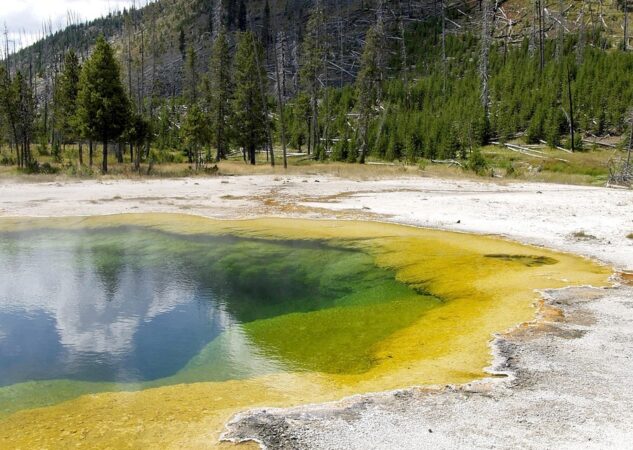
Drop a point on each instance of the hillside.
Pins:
(158, 35)
(438, 81)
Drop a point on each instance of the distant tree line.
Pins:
(419, 91)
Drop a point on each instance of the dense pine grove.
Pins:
(428, 94)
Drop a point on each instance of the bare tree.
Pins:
(279, 67)
(489, 8)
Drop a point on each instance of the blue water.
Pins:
(133, 305)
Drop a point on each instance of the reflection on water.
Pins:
(132, 305)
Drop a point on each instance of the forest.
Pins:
(433, 83)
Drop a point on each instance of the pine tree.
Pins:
(312, 69)
(195, 134)
(8, 105)
(219, 94)
(103, 108)
(66, 99)
(138, 134)
(367, 85)
(248, 109)
(22, 97)
(241, 16)
(191, 77)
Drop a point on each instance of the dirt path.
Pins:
(570, 375)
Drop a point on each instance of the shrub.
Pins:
(477, 162)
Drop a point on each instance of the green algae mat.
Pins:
(153, 330)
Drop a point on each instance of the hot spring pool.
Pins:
(155, 329)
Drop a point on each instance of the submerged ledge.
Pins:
(449, 345)
(532, 361)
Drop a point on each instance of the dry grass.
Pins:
(629, 236)
(583, 168)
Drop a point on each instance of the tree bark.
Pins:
(251, 154)
(571, 111)
(280, 104)
(104, 164)
(137, 158)
(625, 46)
(119, 152)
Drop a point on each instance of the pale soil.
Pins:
(570, 378)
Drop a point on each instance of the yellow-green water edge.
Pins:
(485, 285)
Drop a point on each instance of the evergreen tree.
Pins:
(191, 77)
(66, 98)
(248, 109)
(219, 94)
(195, 134)
(138, 134)
(8, 107)
(367, 85)
(242, 16)
(23, 108)
(312, 69)
(103, 108)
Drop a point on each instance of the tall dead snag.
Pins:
(279, 67)
(487, 27)
(630, 147)
(571, 111)
(538, 29)
(444, 75)
(624, 5)
(580, 46)
(621, 169)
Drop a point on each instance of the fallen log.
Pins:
(556, 147)
(519, 149)
(449, 162)
(602, 144)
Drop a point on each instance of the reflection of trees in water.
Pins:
(110, 290)
(109, 262)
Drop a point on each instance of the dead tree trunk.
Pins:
(625, 7)
(486, 38)
(443, 46)
(280, 99)
(628, 156)
(571, 111)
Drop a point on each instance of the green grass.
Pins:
(552, 165)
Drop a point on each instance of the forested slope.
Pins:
(340, 79)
